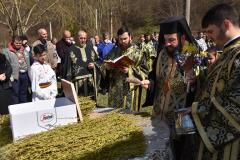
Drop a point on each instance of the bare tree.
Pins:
(171, 8)
(140, 15)
(21, 15)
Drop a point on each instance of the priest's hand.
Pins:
(145, 84)
(124, 69)
(108, 66)
(90, 65)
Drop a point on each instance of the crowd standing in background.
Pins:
(52, 56)
(104, 47)
(62, 48)
(70, 59)
(19, 58)
(192, 82)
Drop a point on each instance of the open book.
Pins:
(122, 61)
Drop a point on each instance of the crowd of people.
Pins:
(192, 85)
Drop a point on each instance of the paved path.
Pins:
(157, 138)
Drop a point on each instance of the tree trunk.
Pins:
(187, 10)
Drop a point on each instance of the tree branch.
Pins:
(37, 17)
(30, 13)
(4, 23)
(12, 10)
(17, 7)
(8, 15)
(2, 10)
(20, 3)
(28, 27)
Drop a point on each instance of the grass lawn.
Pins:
(112, 136)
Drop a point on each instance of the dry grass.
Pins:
(107, 137)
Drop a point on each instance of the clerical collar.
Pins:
(231, 41)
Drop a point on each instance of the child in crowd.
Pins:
(43, 78)
(212, 56)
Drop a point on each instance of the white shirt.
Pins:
(231, 40)
(201, 42)
(42, 73)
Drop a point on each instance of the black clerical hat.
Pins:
(177, 24)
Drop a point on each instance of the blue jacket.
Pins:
(103, 49)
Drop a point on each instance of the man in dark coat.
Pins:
(62, 48)
(5, 84)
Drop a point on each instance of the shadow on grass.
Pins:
(145, 111)
(133, 146)
(143, 114)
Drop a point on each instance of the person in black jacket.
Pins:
(62, 48)
(5, 84)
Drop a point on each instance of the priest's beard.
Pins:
(172, 51)
(125, 46)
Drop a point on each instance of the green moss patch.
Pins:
(112, 136)
(86, 105)
(5, 131)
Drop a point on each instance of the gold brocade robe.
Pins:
(148, 50)
(170, 88)
(120, 94)
(217, 113)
